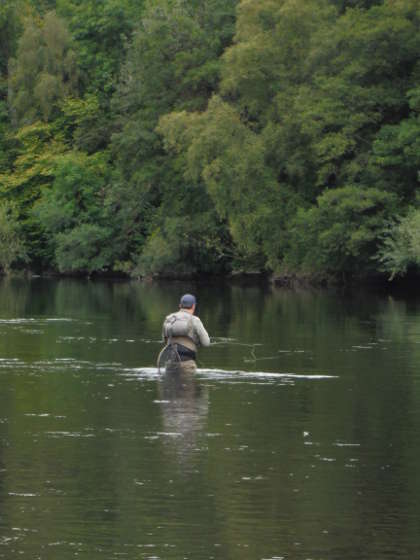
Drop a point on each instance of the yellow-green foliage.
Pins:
(401, 247)
(36, 151)
(44, 70)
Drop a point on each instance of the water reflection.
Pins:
(184, 404)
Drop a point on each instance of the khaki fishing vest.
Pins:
(179, 328)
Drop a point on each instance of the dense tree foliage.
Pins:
(44, 71)
(169, 224)
(324, 103)
(12, 246)
(205, 136)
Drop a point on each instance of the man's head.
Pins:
(188, 303)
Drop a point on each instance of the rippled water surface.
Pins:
(298, 438)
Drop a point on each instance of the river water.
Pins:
(298, 438)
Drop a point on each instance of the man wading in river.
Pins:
(183, 332)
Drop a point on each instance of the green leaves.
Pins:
(341, 233)
(73, 213)
(100, 30)
(395, 157)
(12, 247)
(172, 63)
(400, 249)
(229, 159)
(85, 248)
(43, 72)
(314, 101)
(273, 41)
(36, 150)
(204, 135)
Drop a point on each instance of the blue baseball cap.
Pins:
(187, 301)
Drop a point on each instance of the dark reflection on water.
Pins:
(184, 403)
(298, 438)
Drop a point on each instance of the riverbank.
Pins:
(409, 283)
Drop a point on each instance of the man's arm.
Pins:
(201, 332)
(164, 337)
